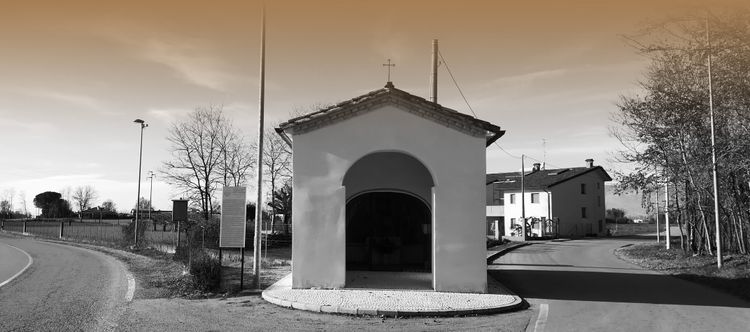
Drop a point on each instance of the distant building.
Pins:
(564, 202)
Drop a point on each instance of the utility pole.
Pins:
(523, 201)
(259, 187)
(434, 70)
(138, 200)
(658, 231)
(666, 213)
(713, 150)
(150, 195)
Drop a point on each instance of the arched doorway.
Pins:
(388, 214)
(388, 231)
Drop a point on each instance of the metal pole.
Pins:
(713, 150)
(658, 231)
(434, 70)
(259, 188)
(138, 199)
(666, 213)
(242, 269)
(150, 196)
(523, 201)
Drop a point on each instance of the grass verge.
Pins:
(733, 277)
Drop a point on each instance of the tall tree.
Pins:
(277, 162)
(666, 130)
(84, 197)
(202, 146)
(52, 205)
(109, 206)
(282, 203)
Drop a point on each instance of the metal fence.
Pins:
(164, 238)
(160, 236)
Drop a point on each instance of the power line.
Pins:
(475, 114)
(456, 83)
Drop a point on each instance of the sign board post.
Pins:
(233, 223)
(179, 213)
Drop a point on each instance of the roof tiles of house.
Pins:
(420, 106)
(541, 179)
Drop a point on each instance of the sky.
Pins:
(75, 74)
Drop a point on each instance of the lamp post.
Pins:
(138, 199)
(150, 194)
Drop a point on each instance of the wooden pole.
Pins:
(434, 70)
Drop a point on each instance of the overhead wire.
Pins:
(458, 87)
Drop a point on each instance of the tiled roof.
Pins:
(541, 179)
(389, 94)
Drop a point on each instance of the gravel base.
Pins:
(392, 302)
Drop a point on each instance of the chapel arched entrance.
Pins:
(388, 214)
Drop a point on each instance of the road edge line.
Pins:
(541, 320)
(31, 261)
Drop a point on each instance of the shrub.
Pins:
(206, 271)
(127, 231)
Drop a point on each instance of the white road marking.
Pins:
(541, 321)
(31, 260)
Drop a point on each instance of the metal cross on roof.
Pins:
(389, 65)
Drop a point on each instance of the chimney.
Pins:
(590, 163)
(537, 167)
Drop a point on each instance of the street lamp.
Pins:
(138, 199)
(150, 194)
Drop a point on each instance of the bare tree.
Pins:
(84, 197)
(205, 149)
(238, 158)
(8, 196)
(277, 163)
(666, 132)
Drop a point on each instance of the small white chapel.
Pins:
(389, 181)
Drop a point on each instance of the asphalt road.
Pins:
(65, 289)
(581, 286)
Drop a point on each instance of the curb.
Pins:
(505, 250)
(518, 303)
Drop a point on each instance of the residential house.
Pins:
(563, 202)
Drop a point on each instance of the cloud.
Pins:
(74, 99)
(186, 60)
(167, 115)
(29, 127)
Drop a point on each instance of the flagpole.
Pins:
(259, 168)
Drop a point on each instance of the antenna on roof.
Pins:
(544, 149)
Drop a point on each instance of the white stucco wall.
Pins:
(532, 209)
(567, 203)
(456, 162)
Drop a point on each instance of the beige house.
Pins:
(389, 181)
(564, 202)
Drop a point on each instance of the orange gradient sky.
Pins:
(75, 74)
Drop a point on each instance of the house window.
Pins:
(598, 185)
(600, 226)
(512, 198)
(583, 188)
(583, 212)
(534, 197)
(497, 197)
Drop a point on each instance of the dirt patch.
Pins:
(733, 277)
(252, 313)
